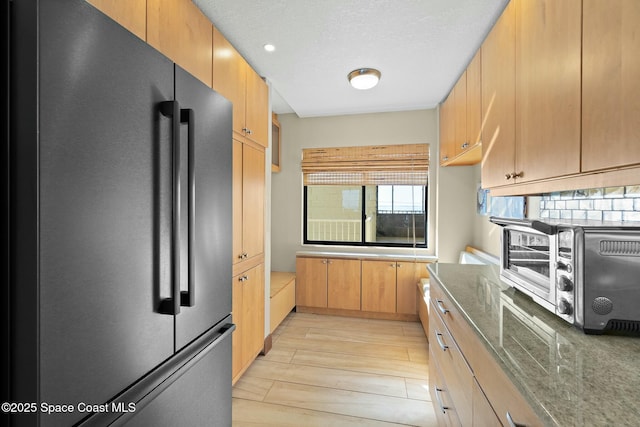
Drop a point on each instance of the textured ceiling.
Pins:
(420, 46)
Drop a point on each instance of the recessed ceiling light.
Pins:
(364, 78)
(269, 47)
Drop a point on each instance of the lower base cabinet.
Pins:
(248, 315)
(467, 386)
(351, 286)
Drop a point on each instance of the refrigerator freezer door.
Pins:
(201, 394)
(105, 206)
(206, 195)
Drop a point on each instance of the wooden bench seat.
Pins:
(282, 295)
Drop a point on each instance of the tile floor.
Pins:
(338, 371)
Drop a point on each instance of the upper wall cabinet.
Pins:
(611, 84)
(238, 82)
(531, 93)
(498, 100)
(178, 29)
(131, 14)
(460, 119)
(548, 49)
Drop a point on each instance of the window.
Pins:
(358, 196)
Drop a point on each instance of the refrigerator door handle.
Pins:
(171, 305)
(188, 298)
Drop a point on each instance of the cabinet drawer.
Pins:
(500, 391)
(453, 367)
(440, 396)
(455, 322)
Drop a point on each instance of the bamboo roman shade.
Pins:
(367, 165)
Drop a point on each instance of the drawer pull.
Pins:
(511, 422)
(440, 342)
(441, 306)
(439, 399)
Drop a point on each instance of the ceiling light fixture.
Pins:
(269, 47)
(364, 78)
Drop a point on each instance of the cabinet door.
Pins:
(611, 88)
(311, 282)
(447, 129)
(498, 101)
(229, 77)
(257, 108)
(178, 29)
(483, 414)
(407, 276)
(253, 313)
(253, 181)
(548, 102)
(460, 102)
(379, 286)
(131, 14)
(343, 284)
(474, 99)
(237, 219)
(238, 318)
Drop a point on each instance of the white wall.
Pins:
(451, 226)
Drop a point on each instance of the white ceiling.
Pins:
(420, 46)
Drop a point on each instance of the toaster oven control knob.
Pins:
(564, 267)
(564, 307)
(565, 284)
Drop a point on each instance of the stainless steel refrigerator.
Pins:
(118, 290)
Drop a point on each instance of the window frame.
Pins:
(362, 242)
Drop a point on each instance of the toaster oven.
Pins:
(587, 273)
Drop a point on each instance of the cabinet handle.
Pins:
(392, 265)
(514, 175)
(441, 307)
(439, 399)
(243, 255)
(465, 145)
(513, 423)
(445, 158)
(440, 342)
(249, 131)
(324, 261)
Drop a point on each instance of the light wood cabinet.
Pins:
(178, 29)
(441, 397)
(359, 287)
(328, 282)
(457, 338)
(408, 274)
(447, 129)
(248, 201)
(548, 61)
(343, 284)
(237, 81)
(248, 315)
(483, 414)
(460, 120)
(453, 366)
(611, 87)
(379, 286)
(498, 101)
(311, 282)
(131, 14)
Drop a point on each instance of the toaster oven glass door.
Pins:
(528, 256)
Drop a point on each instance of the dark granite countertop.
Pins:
(568, 377)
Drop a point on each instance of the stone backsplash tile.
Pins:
(608, 204)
